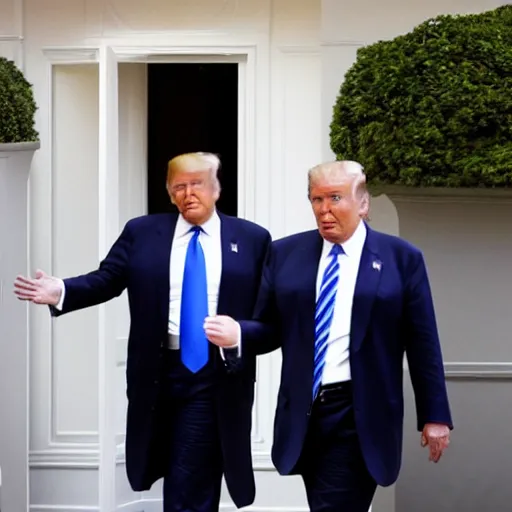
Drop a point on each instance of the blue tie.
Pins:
(194, 307)
(324, 313)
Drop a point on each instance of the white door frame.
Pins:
(253, 182)
(244, 56)
(253, 168)
(108, 230)
(253, 96)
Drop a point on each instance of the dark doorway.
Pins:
(192, 107)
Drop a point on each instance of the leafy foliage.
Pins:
(432, 107)
(17, 105)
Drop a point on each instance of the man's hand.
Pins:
(437, 438)
(222, 331)
(44, 289)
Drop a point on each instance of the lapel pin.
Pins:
(234, 248)
(377, 265)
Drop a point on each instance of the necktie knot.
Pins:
(336, 250)
(195, 229)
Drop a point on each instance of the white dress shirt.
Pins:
(210, 241)
(337, 364)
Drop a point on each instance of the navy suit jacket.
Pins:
(139, 261)
(392, 314)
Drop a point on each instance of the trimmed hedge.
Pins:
(17, 105)
(432, 107)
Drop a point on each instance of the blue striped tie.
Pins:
(324, 313)
(194, 306)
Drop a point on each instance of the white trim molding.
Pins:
(64, 458)
(348, 43)
(71, 55)
(64, 508)
(478, 370)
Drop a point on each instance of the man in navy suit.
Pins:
(345, 303)
(189, 403)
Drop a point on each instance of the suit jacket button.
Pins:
(156, 381)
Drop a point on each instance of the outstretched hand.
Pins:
(43, 289)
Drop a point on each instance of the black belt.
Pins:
(334, 391)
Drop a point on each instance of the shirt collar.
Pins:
(209, 227)
(353, 246)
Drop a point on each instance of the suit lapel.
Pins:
(367, 285)
(233, 255)
(308, 261)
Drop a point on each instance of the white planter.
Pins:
(15, 161)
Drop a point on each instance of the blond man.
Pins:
(345, 303)
(189, 402)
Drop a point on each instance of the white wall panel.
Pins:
(336, 60)
(467, 247)
(74, 489)
(301, 133)
(73, 359)
(132, 196)
(133, 141)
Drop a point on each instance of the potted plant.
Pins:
(17, 110)
(432, 108)
(18, 138)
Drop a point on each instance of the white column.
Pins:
(15, 160)
(64, 242)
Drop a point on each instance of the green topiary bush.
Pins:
(432, 107)
(17, 105)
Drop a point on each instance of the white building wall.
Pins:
(304, 48)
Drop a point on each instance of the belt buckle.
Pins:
(173, 342)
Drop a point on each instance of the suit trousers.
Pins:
(331, 464)
(193, 479)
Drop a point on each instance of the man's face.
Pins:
(336, 207)
(194, 193)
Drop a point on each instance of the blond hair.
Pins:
(354, 170)
(195, 162)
